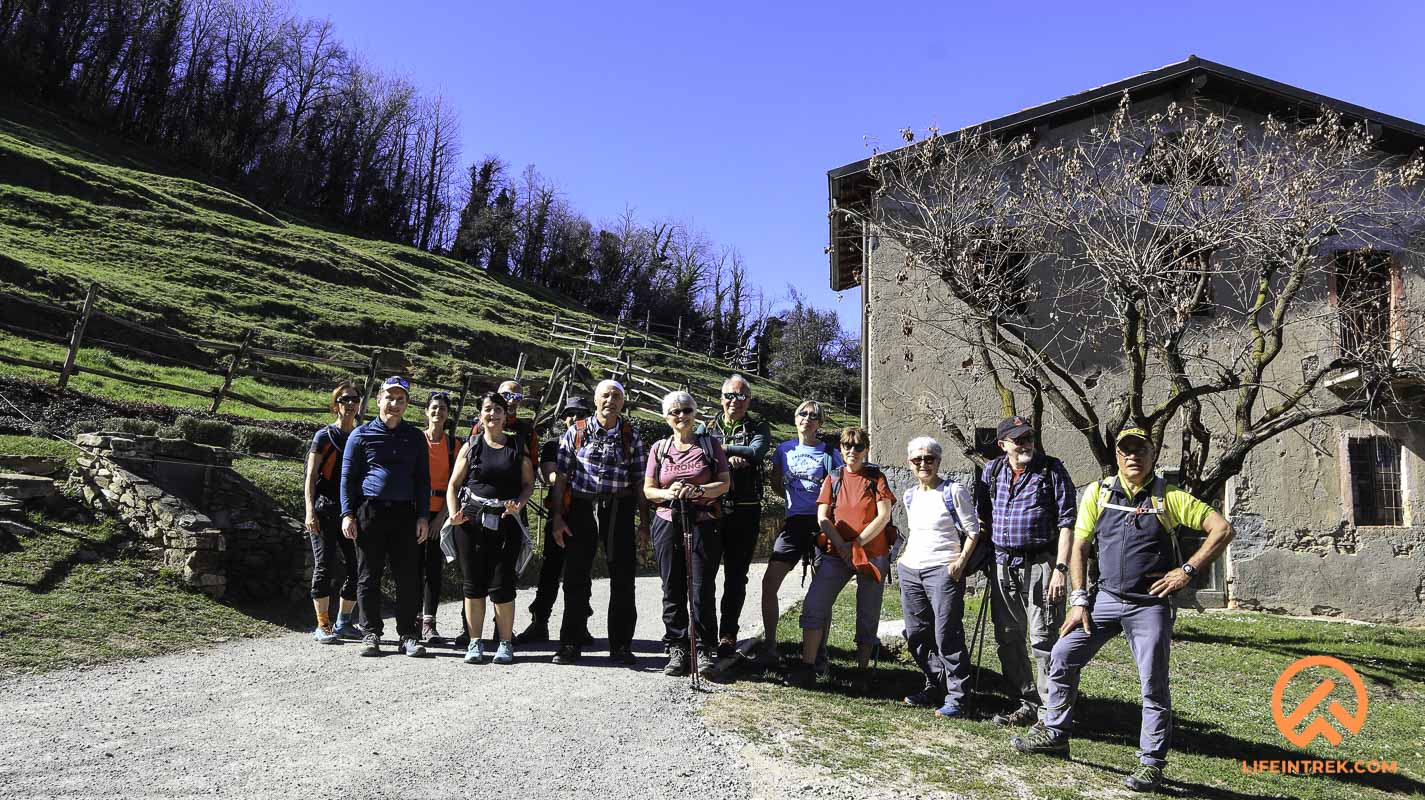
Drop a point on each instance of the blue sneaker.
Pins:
(950, 709)
(325, 635)
(347, 630)
(475, 653)
(505, 654)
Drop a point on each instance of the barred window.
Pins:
(1375, 480)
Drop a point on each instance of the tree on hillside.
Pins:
(474, 231)
(1174, 254)
(808, 348)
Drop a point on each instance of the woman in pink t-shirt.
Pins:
(687, 473)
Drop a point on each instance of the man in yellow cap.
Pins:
(1133, 517)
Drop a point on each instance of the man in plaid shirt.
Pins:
(600, 464)
(1028, 502)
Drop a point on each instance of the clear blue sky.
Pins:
(729, 114)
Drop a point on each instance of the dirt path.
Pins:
(284, 717)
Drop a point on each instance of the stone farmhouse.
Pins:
(1330, 517)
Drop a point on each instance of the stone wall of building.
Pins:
(222, 535)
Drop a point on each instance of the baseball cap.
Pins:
(1013, 428)
(1127, 433)
(577, 405)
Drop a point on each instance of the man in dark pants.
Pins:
(551, 568)
(1133, 518)
(745, 437)
(385, 495)
(601, 462)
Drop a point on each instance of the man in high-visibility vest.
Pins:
(1132, 517)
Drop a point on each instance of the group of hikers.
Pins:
(386, 491)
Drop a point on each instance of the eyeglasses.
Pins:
(349, 399)
(734, 396)
(1022, 441)
(512, 397)
(855, 448)
(809, 415)
(918, 460)
(1134, 447)
(679, 412)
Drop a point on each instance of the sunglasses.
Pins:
(512, 397)
(349, 399)
(809, 415)
(855, 448)
(734, 396)
(401, 382)
(439, 396)
(918, 460)
(679, 412)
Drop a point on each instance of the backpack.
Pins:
(515, 428)
(983, 550)
(1158, 503)
(626, 434)
(879, 546)
(1000, 464)
(328, 471)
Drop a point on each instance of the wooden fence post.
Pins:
(232, 371)
(519, 367)
(78, 336)
(647, 327)
(370, 383)
(460, 403)
(678, 339)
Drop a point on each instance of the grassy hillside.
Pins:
(176, 252)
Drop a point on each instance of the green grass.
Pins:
(69, 597)
(40, 446)
(1223, 669)
(76, 206)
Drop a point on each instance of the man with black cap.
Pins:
(1133, 518)
(385, 508)
(551, 568)
(1026, 499)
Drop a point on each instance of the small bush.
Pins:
(84, 426)
(205, 431)
(170, 432)
(133, 427)
(262, 440)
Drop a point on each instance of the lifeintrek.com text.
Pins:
(1315, 766)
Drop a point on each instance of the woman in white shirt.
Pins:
(943, 527)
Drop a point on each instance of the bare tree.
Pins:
(1171, 255)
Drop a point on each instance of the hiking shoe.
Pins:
(411, 647)
(371, 645)
(325, 635)
(803, 677)
(707, 664)
(1145, 779)
(537, 631)
(766, 658)
(505, 653)
(726, 648)
(1041, 740)
(1018, 718)
(677, 661)
(623, 655)
(950, 709)
(346, 629)
(923, 699)
(475, 652)
(429, 633)
(568, 654)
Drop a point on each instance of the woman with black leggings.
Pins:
(322, 475)
(489, 486)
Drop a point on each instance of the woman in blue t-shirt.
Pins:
(798, 467)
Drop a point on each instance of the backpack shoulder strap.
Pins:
(947, 493)
(705, 446)
(581, 430)
(452, 442)
(1105, 488)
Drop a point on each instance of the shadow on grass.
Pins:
(1385, 670)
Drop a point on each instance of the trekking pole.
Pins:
(688, 584)
(979, 636)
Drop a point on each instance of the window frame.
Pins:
(1349, 504)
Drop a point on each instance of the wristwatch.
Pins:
(1189, 570)
(1062, 567)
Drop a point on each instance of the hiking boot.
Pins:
(923, 699)
(412, 648)
(623, 655)
(475, 652)
(803, 677)
(1018, 718)
(726, 648)
(707, 665)
(325, 635)
(505, 653)
(568, 654)
(677, 661)
(371, 645)
(428, 631)
(1145, 779)
(950, 709)
(1041, 740)
(537, 631)
(346, 629)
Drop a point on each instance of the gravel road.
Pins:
(287, 718)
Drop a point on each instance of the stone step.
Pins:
(31, 465)
(15, 486)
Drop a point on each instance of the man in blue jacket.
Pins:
(385, 508)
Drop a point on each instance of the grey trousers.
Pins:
(933, 606)
(832, 573)
(1149, 629)
(1019, 604)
